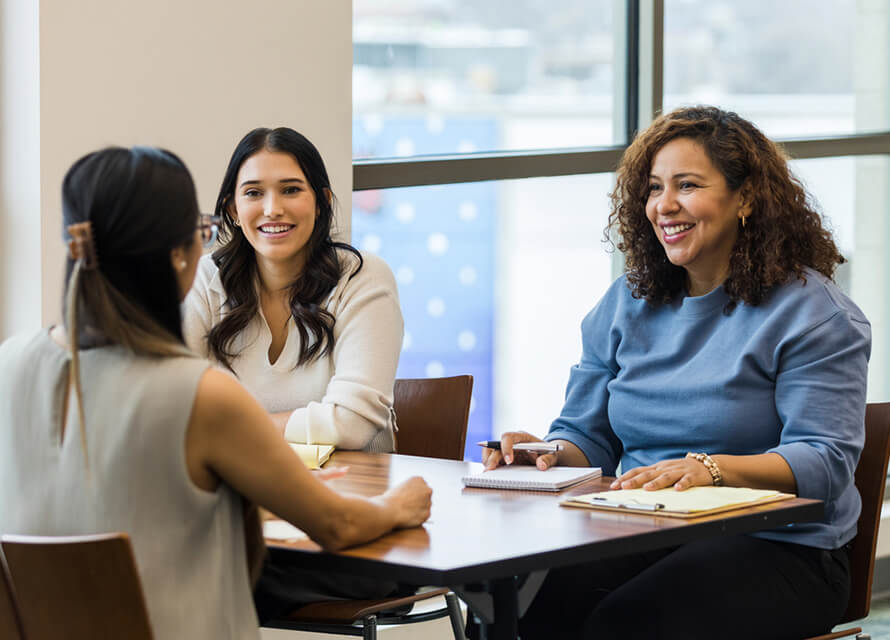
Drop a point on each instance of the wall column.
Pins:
(189, 76)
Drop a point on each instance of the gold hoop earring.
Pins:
(743, 221)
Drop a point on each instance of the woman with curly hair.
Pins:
(725, 355)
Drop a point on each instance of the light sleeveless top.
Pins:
(188, 543)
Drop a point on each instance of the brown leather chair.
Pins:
(10, 625)
(871, 477)
(78, 588)
(431, 414)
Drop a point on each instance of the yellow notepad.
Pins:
(313, 455)
(691, 503)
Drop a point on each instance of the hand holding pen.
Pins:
(522, 448)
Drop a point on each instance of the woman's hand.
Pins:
(491, 458)
(411, 500)
(331, 473)
(680, 473)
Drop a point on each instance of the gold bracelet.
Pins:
(710, 465)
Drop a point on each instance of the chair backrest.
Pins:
(77, 587)
(871, 477)
(431, 414)
(10, 626)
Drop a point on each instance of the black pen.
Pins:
(537, 447)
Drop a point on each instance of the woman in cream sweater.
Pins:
(310, 326)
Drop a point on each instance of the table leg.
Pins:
(495, 606)
(506, 611)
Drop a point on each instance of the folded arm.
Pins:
(367, 342)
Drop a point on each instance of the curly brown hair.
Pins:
(782, 236)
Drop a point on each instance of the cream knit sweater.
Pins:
(344, 398)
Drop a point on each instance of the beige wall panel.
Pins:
(192, 76)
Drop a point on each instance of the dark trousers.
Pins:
(739, 587)
(284, 586)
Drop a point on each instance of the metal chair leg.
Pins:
(369, 627)
(457, 620)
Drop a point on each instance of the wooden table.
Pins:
(477, 541)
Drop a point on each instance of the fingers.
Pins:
(329, 474)
(687, 481)
(680, 474)
(510, 438)
(491, 458)
(545, 461)
(507, 441)
(626, 480)
(424, 501)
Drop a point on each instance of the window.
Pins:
(852, 193)
(770, 71)
(484, 135)
(463, 76)
(491, 284)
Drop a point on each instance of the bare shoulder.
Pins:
(220, 397)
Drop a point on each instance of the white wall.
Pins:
(20, 266)
(189, 76)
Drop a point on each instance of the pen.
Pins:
(628, 505)
(537, 447)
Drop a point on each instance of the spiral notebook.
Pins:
(527, 478)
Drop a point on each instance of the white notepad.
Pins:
(531, 478)
(282, 530)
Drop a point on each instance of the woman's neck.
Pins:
(699, 285)
(277, 277)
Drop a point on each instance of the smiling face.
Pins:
(694, 213)
(275, 207)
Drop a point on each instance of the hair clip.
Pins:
(82, 245)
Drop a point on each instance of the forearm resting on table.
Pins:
(357, 519)
(762, 471)
(336, 424)
(332, 519)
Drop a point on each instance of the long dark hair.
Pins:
(782, 236)
(236, 258)
(137, 205)
(141, 204)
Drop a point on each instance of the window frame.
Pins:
(640, 92)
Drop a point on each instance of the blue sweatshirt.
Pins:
(786, 376)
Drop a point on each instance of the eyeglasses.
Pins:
(209, 227)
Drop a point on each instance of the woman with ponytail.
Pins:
(111, 423)
(310, 326)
